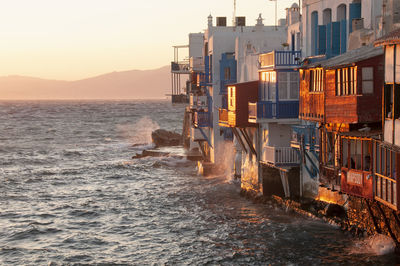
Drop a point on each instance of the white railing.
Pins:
(280, 155)
(196, 63)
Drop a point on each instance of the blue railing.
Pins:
(204, 79)
(287, 58)
(280, 58)
(202, 119)
(308, 134)
(278, 110)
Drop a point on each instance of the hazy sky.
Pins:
(73, 39)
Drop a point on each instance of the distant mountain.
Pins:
(133, 84)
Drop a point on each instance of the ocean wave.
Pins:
(33, 231)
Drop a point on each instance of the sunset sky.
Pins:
(74, 39)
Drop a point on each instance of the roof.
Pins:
(353, 56)
(366, 134)
(390, 38)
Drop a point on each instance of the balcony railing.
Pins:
(180, 67)
(205, 79)
(201, 119)
(198, 102)
(223, 117)
(196, 64)
(280, 58)
(252, 112)
(280, 155)
(278, 110)
(307, 135)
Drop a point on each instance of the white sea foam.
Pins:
(377, 244)
(139, 132)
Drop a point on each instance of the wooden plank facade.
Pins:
(311, 102)
(353, 94)
(239, 96)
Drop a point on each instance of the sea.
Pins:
(71, 194)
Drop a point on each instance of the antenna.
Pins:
(234, 13)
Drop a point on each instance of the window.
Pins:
(288, 85)
(227, 73)
(368, 80)
(283, 85)
(357, 153)
(346, 81)
(268, 85)
(294, 86)
(389, 64)
(316, 80)
(388, 101)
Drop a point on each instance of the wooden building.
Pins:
(343, 96)
(352, 117)
(237, 113)
(386, 161)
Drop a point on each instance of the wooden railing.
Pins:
(280, 155)
(385, 189)
(223, 116)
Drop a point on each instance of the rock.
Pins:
(162, 138)
(335, 210)
(147, 153)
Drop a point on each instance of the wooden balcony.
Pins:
(357, 183)
(223, 117)
(281, 156)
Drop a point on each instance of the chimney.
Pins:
(221, 21)
(357, 24)
(240, 21)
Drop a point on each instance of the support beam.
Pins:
(371, 214)
(311, 161)
(248, 140)
(237, 135)
(285, 183)
(203, 152)
(385, 219)
(205, 136)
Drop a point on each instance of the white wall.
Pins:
(250, 44)
(196, 42)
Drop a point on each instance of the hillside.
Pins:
(133, 84)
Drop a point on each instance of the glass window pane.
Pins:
(345, 153)
(282, 85)
(389, 62)
(397, 63)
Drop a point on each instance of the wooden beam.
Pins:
(371, 214)
(249, 142)
(237, 135)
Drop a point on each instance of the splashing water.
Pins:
(228, 160)
(139, 132)
(377, 244)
